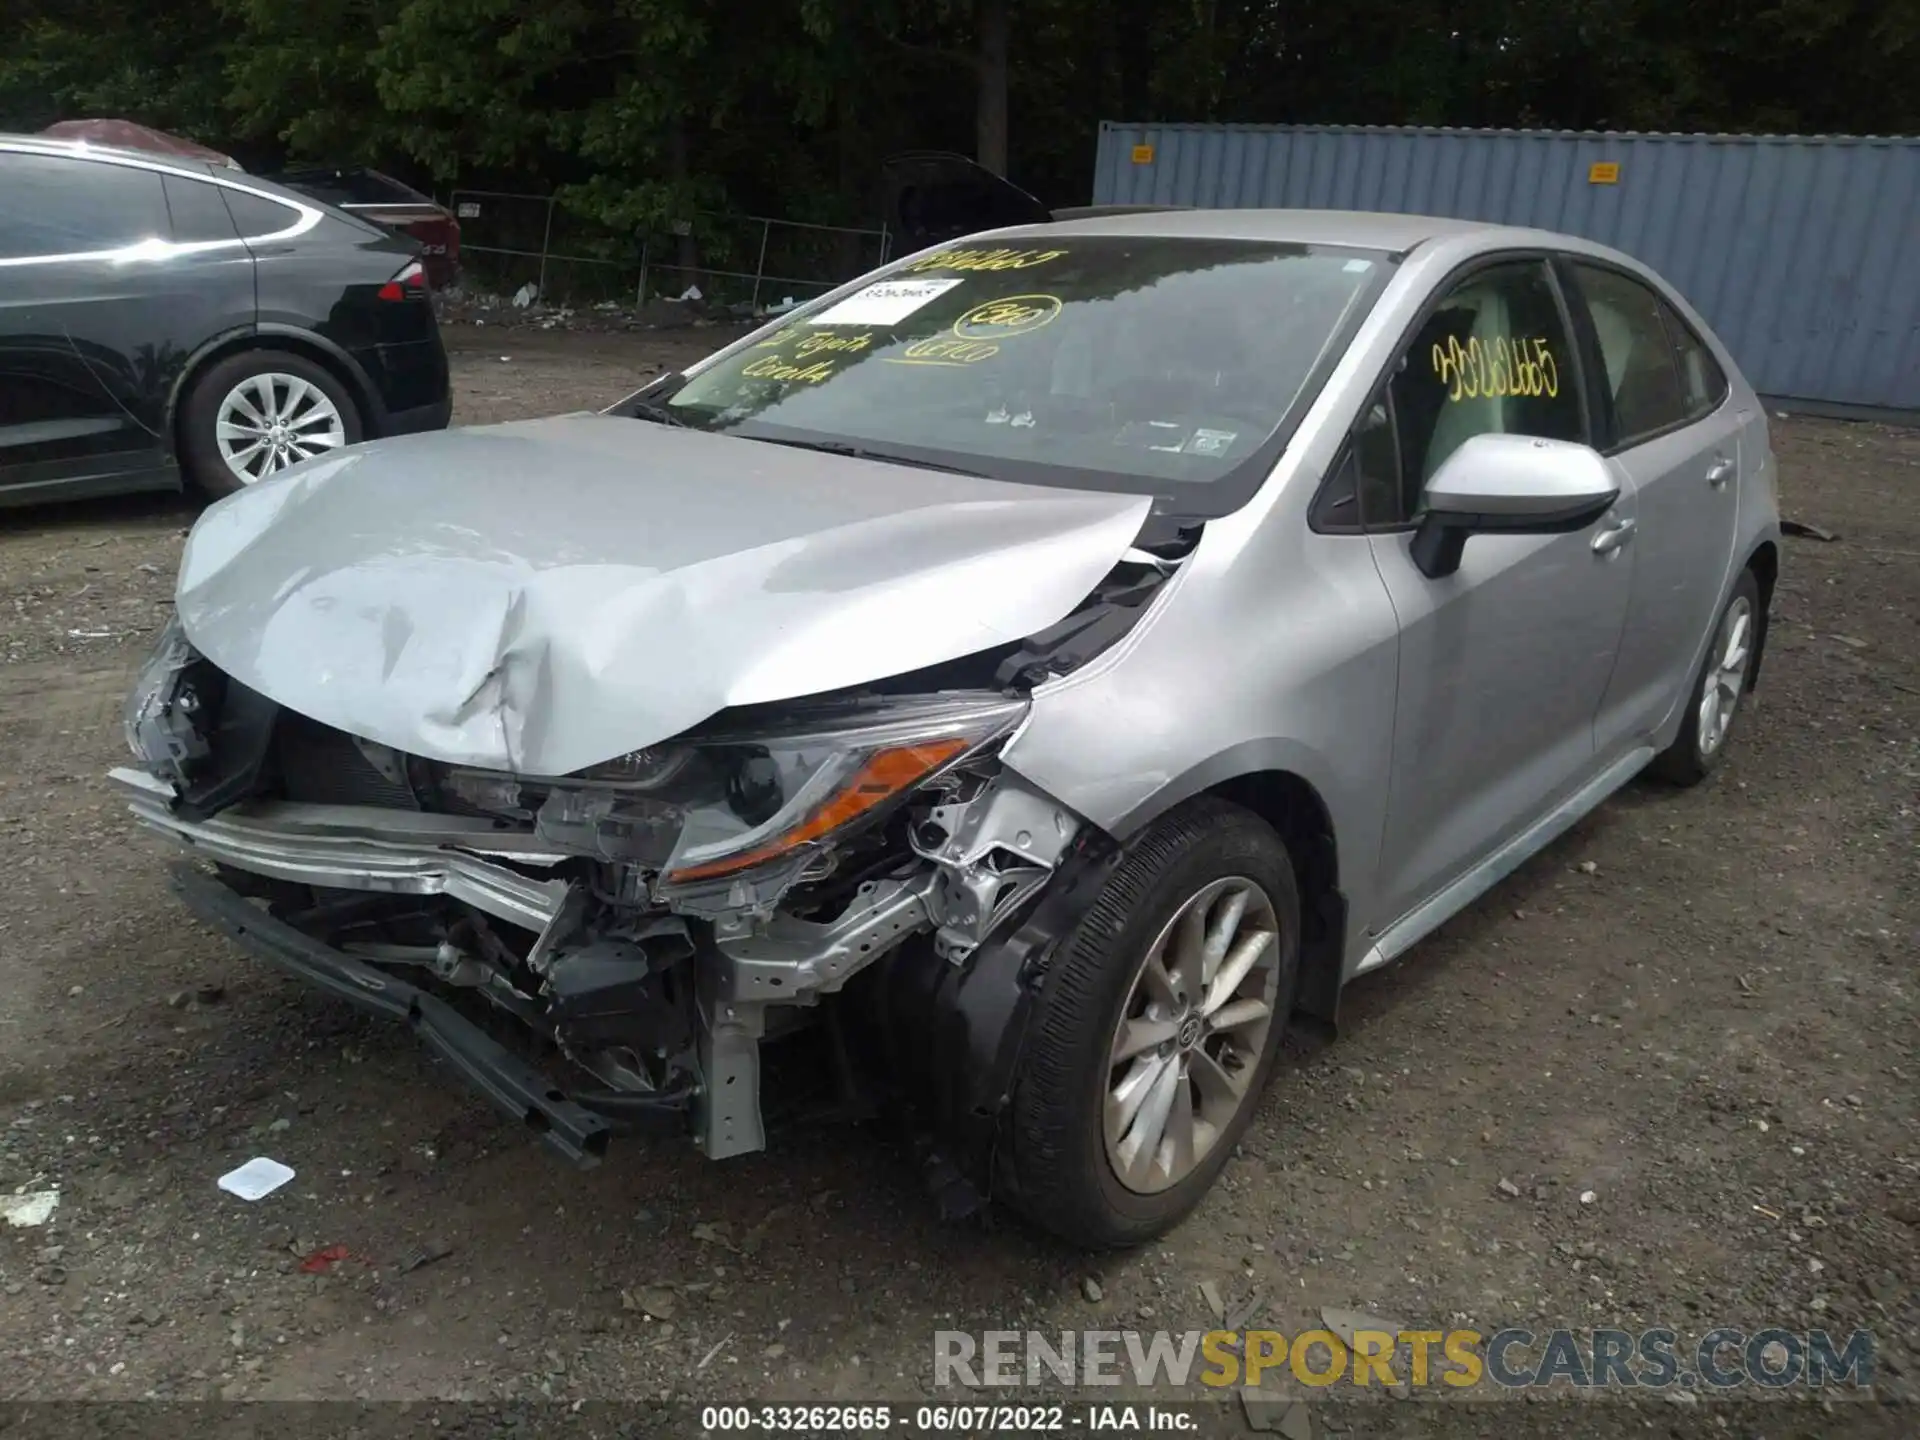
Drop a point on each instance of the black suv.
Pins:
(164, 321)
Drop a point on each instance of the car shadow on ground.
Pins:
(1464, 939)
(121, 514)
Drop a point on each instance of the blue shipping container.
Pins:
(1803, 252)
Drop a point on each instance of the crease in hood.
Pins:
(545, 595)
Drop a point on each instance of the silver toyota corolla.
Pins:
(1039, 670)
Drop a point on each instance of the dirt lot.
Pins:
(1698, 1007)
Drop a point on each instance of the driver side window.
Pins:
(1493, 356)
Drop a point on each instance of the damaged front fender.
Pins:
(953, 1033)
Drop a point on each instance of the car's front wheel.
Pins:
(1156, 1030)
(255, 413)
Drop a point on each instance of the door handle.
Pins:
(1613, 537)
(1720, 472)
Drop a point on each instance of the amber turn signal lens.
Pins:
(885, 775)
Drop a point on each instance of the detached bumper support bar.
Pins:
(513, 1084)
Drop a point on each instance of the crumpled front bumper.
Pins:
(983, 858)
(406, 853)
(347, 848)
(577, 1126)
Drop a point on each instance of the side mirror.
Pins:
(1510, 484)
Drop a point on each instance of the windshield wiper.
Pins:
(860, 452)
(656, 412)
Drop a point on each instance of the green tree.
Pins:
(642, 112)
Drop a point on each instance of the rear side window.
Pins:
(256, 215)
(56, 205)
(1655, 382)
(1702, 380)
(198, 212)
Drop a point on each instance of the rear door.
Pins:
(210, 273)
(1666, 418)
(1503, 663)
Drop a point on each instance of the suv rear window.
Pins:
(255, 215)
(198, 214)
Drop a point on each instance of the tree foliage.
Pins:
(638, 110)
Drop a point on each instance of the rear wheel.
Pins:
(1718, 690)
(1156, 1030)
(253, 414)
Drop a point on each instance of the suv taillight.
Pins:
(410, 283)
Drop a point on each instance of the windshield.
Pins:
(1168, 367)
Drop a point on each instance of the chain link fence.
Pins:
(757, 262)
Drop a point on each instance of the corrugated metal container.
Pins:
(1803, 253)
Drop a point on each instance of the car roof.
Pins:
(91, 149)
(177, 164)
(1361, 229)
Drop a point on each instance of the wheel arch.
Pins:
(304, 343)
(971, 1020)
(1764, 562)
(1297, 812)
(1280, 793)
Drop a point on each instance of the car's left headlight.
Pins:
(168, 710)
(715, 805)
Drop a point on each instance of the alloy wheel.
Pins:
(1196, 1022)
(268, 422)
(1726, 675)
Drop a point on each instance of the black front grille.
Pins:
(323, 766)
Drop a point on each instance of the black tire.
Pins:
(1686, 762)
(206, 469)
(1054, 1143)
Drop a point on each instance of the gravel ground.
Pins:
(1697, 1007)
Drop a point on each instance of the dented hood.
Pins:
(542, 596)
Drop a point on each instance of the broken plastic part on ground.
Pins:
(29, 1209)
(256, 1179)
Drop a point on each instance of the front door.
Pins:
(1672, 428)
(69, 321)
(110, 276)
(1502, 664)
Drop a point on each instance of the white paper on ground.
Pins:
(29, 1209)
(259, 1176)
(887, 303)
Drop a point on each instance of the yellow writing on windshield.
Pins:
(1010, 315)
(1495, 369)
(819, 341)
(778, 367)
(823, 347)
(982, 260)
(812, 342)
(946, 350)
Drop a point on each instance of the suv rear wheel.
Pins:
(1157, 1029)
(253, 414)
